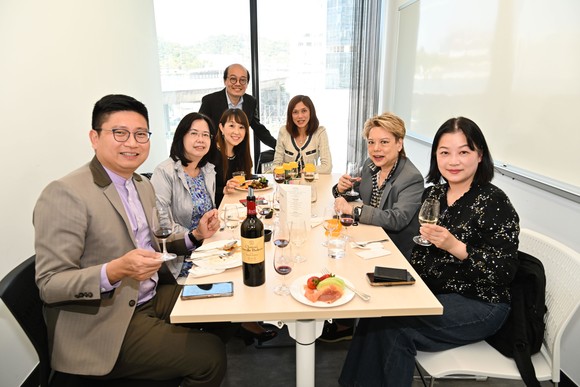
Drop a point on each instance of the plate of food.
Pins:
(222, 261)
(260, 184)
(223, 254)
(225, 244)
(327, 291)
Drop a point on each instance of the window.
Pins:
(305, 47)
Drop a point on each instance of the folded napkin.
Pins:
(374, 253)
(197, 272)
(315, 221)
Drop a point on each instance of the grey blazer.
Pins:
(80, 224)
(398, 210)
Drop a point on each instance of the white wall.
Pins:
(58, 58)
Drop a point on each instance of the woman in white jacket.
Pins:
(302, 139)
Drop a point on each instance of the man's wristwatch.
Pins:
(356, 212)
(193, 240)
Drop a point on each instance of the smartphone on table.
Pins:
(390, 276)
(217, 289)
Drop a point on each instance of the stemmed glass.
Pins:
(428, 214)
(163, 226)
(231, 218)
(283, 265)
(330, 223)
(298, 237)
(354, 171)
(283, 262)
(346, 220)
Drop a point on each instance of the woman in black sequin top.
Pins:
(469, 267)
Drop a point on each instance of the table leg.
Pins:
(305, 332)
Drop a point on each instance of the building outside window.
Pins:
(304, 46)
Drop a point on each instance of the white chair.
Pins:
(562, 266)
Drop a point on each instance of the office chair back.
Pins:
(19, 292)
(562, 267)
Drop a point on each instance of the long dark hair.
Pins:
(242, 150)
(475, 142)
(177, 151)
(312, 123)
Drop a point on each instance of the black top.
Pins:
(485, 220)
(215, 104)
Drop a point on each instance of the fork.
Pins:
(222, 255)
(362, 295)
(364, 244)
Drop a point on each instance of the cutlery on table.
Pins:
(364, 244)
(362, 295)
(203, 255)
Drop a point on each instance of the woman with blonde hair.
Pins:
(390, 185)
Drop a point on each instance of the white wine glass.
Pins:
(353, 169)
(297, 238)
(330, 223)
(428, 214)
(163, 226)
(231, 218)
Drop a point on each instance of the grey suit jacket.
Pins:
(80, 224)
(398, 210)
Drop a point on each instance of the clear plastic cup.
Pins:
(337, 247)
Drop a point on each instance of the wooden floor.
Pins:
(274, 365)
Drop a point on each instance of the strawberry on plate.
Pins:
(312, 282)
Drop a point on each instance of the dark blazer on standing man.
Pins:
(215, 104)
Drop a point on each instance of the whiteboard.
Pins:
(512, 66)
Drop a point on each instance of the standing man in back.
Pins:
(236, 78)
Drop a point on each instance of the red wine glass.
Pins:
(163, 226)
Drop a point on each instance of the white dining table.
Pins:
(304, 320)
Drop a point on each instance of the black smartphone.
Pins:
(410, 280)
(218, 289)
(390, 274)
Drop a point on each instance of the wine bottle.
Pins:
(253, 253)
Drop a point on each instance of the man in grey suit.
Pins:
(236, 78)
(108, 295)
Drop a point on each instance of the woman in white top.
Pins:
(301, 139)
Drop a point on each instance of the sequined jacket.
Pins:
(485, 220)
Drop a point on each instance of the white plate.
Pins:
(297, 291)
(245, 189)
(215, 262)
(215, 245)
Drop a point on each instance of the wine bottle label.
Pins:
(253, 250)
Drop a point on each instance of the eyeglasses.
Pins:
(234, 80)
(122, 135)
(203, 135)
